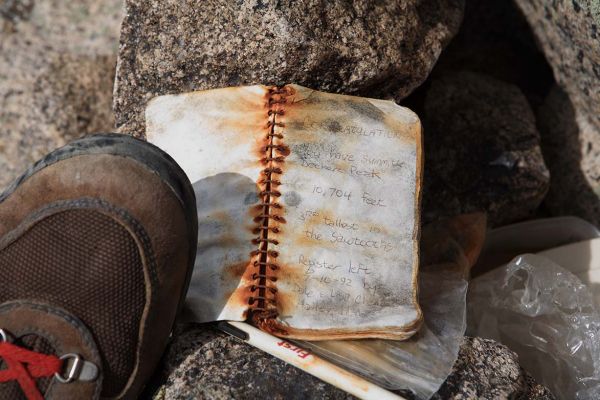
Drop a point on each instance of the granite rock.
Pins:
(488, 370)
(496, 40)
(568, 33)
(371, 48)
(204, 363)
(572, 152)
(57, 62)
(482, 150)
(569, 119)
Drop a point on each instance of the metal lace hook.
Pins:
(80, 369)
(74, 370)
(5, 336)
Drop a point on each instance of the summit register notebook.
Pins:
(308, 208)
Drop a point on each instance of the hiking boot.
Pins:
(97, 245)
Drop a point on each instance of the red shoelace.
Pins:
(24, 366)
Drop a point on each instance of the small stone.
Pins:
(482, 150)
(372, 48)
(486, 370)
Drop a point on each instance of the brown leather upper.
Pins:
(129, 185)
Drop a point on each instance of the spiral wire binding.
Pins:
(264, 302)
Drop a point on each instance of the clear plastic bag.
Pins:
(547, 316)
(422, 363)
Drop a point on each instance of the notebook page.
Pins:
(214, 135)
(350, 190)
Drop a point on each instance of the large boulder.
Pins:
(495, 39)
(57, 61)
(482, 150)
(570, 145)
(365, 47)
(568, 32)
(569, 119)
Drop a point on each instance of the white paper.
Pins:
(348, 250)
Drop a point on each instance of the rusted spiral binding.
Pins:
(262, 299)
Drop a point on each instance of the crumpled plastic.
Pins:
(422, 363)
(547, 316)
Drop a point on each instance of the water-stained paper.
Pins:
(350, 188)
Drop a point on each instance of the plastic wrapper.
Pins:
(422, 363)
(547, 316)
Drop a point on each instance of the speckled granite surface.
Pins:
(57, 61)
(372, 48)
(568, 32)
(488, 370)
(203, 363)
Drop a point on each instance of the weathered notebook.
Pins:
(308, 207)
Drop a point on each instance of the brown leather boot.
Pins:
(97, 245)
